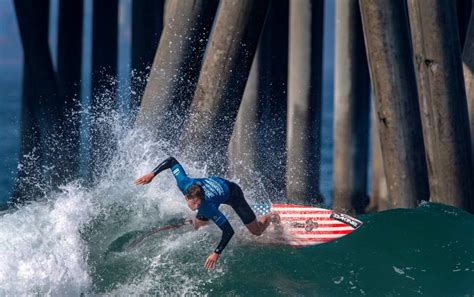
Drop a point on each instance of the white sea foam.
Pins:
(59, 246)
(41, 250)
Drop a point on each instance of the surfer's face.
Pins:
(194, 203)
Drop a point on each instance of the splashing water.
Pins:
(61, 245)
(41, 247)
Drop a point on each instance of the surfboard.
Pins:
(131, 240)
(306, 225)
(154, 231)
(299, 226)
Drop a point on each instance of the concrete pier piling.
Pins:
(243, 146)
(222, 80)
(258, 144)
(147, 24)
(40, 106)
(437, 55)
(69, 70)
(351, 111)
(104, 83)
(387, 42)
(176, 67)
(304, 100)
(468, 70)
(463, 11)
(379, 199)
(274, 89)
(235, 86)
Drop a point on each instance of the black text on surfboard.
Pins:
(346, 219)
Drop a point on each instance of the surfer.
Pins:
(205, 195)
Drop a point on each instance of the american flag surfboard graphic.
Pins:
(305, 225)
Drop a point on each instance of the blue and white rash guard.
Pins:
(216, 191)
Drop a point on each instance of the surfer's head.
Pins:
(194, 196)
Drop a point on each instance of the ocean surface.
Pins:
(71, 242)
(10, 90)
(75, 242)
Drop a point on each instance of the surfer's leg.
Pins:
(242, 208)
(257, 227)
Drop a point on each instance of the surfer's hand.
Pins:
(187, 221)
(146, 179)
(211, 260)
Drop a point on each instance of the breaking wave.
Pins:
(72, 242)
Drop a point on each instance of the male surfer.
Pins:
(205, 195)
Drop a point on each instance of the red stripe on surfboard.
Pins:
(295, 244)
(298, 243)
(320, 232)
(315, 239)
(295, 229)
(292, 245)
(306, 218)
(301, 211)
(322, 225)
(325, 225)
(292, 206)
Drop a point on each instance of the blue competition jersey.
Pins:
(216, 191)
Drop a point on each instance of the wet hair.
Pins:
(194, 192)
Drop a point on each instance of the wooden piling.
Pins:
(387, 42)
(468, 71)
(274, 90)
(39, 101)
(221, 84)
(304, 100)
(243, 146)
(379, 199)
(104, 83)
(437, 54)
(69, 59)
(30, 159)
(175, 71)
(147, 24)
(463, 9)
(351, 111)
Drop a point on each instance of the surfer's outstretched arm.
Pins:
(169, 163)
(166, 164)
(227, 233)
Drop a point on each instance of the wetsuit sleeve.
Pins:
(166, 164)
(227, 233)
(206, 212)
(180, 175)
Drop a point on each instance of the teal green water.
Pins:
(428, 251)
(72, 243)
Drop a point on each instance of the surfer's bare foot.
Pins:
(275, 218)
